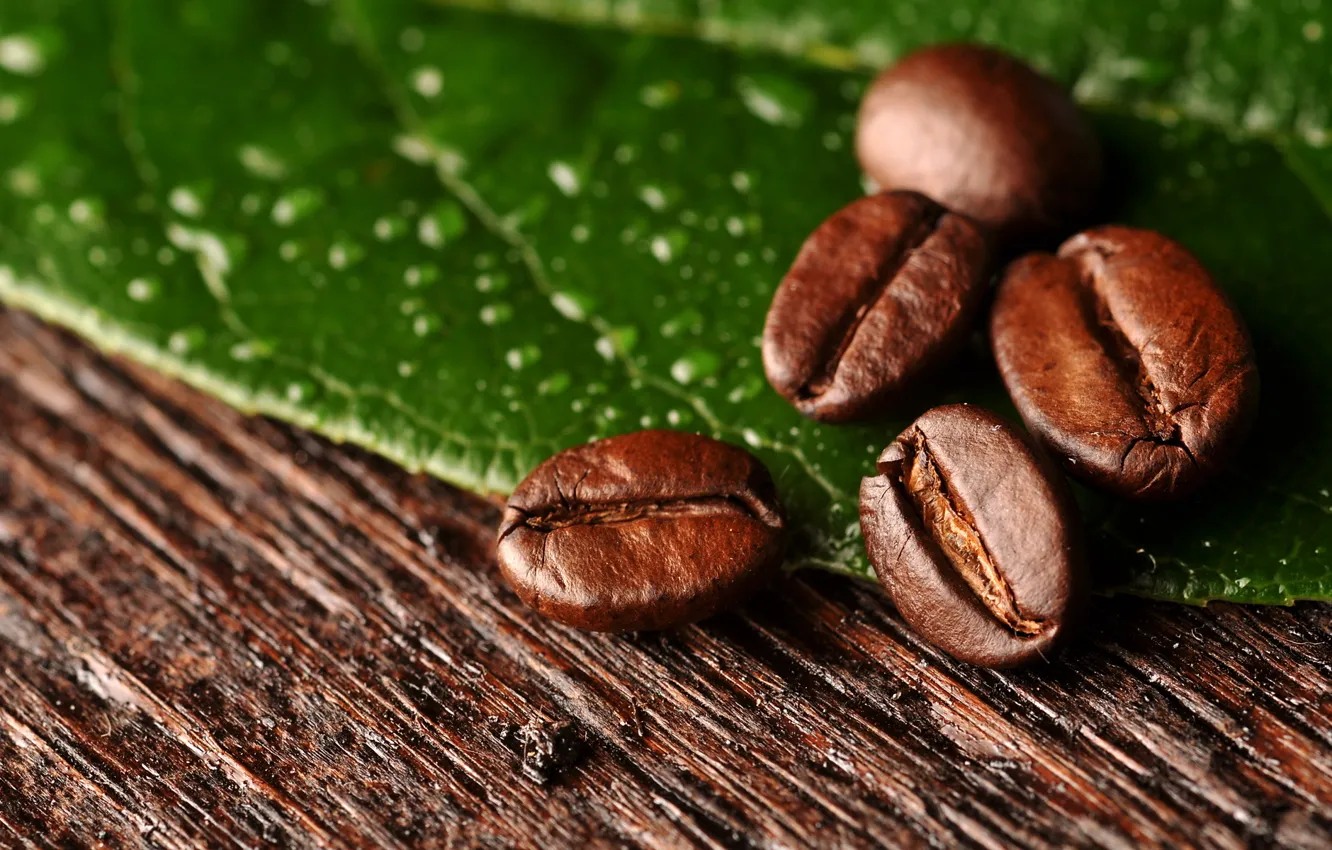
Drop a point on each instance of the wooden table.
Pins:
(220, 631)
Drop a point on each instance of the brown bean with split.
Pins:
(976, 538)
(882, 292)
(642, 531)
(1126, 360)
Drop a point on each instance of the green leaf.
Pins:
(467, 239)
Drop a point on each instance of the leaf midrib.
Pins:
(408, 122)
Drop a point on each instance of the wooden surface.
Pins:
(219, 631)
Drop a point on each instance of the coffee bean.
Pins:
(1125, 359)
(975, 537)
(643, 531)
(985, 135)
(881, 292)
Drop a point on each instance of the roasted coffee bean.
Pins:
(975, 537)
(1125, 359)
(985, 135)
(643, 531)
(880, 293)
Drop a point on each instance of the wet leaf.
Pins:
(467, 239)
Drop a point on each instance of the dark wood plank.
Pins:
(220, 631)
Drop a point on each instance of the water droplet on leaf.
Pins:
(695, 365)
(143, 289)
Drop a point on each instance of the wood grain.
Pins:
(217, 631)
